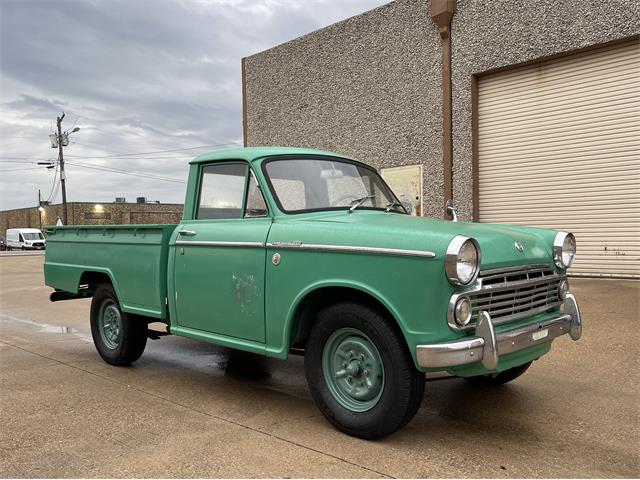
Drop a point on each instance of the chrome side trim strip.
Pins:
(350, 249)
(198, 243)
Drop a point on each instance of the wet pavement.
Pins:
(190, 409)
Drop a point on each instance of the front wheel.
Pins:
(360, 372)
(119, 337)
(499, 378)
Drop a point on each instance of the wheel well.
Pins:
(89, 281)
(305, 316)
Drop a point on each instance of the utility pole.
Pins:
(62, 177)
(40, 209)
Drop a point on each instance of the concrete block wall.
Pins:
(370, 86)
(363, 87)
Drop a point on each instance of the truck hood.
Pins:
(392, 230)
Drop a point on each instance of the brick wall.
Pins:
(85, 213)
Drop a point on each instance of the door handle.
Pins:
(188, 233)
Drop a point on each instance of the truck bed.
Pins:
(133, 256)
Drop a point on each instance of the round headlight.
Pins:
(563, 289)
(463, 311)
(462, 263)
(564, 249)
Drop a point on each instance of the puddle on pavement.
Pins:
(46, 328)
(57, 329)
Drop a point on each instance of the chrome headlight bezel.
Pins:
(461, 319)
(452, 259)
(559, 249)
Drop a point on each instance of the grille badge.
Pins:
(519, 247)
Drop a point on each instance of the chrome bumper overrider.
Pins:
(486, 346)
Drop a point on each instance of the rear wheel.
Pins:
(119, 337)
(360, 373)
(500, 378)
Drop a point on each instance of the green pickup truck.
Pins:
(285, 250)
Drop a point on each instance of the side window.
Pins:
(221, 191)
(256, 206)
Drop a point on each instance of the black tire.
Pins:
(403, 386)
(500, 378)
(132, 338)
(8, 248)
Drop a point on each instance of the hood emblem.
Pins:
(519, 247)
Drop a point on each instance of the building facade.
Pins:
(91, 213)
(520, 112)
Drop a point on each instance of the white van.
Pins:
(25, 239)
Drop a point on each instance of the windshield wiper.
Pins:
(359, 201)
(388, 207)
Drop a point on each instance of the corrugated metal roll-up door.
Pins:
(559, 147)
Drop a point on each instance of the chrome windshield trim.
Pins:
(350, 249)
(199, 243)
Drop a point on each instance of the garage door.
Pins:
(559, 147)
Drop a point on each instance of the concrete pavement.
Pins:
(190, 409)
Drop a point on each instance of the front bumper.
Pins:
(486, 346)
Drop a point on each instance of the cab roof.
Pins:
(250, 154)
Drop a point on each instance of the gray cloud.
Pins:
(135, 76)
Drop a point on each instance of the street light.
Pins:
(59, 140)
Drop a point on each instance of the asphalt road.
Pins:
(189, 409)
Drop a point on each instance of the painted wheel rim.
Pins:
(353, 370)
(110, 324)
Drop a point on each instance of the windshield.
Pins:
(301, 185)
(32, 236)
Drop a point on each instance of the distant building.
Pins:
(92, 213)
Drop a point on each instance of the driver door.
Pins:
(220, 255)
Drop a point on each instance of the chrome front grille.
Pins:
(512, 293)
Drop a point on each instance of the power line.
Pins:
(20, 169)
(53, 186)
(157, 151)
(120, 155)
(125, 172)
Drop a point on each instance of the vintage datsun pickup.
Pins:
(284, 249)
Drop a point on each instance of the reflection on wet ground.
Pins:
(245, 365)
(45, 327)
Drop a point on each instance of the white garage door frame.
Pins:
(494, 142)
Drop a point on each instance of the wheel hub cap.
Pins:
(110, 324)
(353, 370)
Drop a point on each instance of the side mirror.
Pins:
(451, 210)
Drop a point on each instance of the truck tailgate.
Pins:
(133, 256)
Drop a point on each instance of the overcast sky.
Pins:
(135, 76)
